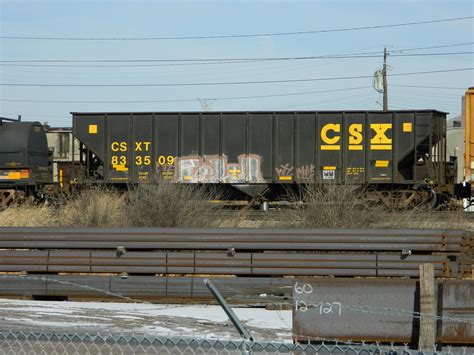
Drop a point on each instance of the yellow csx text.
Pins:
(119, 146)
(145, 160)
(119, 160)
(163, 160)
(142, 146)
(380, 141)
(331, 136)
(123, 146)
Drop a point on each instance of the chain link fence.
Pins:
(51, 343)
(17, 336)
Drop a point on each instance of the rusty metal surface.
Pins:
(458, 303)
(336, 309)
(221, 263)
(242, 238)
(241, 289)
(264, 252)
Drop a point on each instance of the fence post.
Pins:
(428, 308)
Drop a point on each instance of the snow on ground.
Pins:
(160, 319)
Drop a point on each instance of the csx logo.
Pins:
(331, 136)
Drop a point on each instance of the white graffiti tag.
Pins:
(215, 168)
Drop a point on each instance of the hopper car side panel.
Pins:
(395, 147)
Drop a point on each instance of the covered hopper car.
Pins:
(398, 156)
(260, 155)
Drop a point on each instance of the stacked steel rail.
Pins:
(246, 252)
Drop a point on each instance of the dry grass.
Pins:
(28, 216)
(346, 206)
(425, 220)
(170, 205)
(149, 205)
(242, 218)
(92, 208)
(186, 205)
(89, 208)
(329, 206)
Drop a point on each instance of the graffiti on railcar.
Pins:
(305, 172)
(285, 172)
(301, 173)
(215, 168)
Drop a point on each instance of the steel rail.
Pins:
(221, 263)
(235, 289)
(242, 239)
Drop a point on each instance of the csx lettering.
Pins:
(119, 146)
(380, 141)
(139, 148)
(355, 136)
(331, 142)
(331, 137)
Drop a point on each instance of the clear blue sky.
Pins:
(70, 18)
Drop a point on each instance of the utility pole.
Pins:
(206, 104)
(384, 73)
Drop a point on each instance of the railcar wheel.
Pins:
(403, 199)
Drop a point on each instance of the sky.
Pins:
(140, 62)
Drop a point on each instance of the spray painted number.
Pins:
(162, 160)
(306, 288)
(119, 160)
(301, 306)
(139, 160)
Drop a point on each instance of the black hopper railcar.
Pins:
(25, 161)
(396, 155)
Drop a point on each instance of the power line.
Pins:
(226, 98)
(271, 34)
(432, 47)
(425, 96)
(214, 62)
(251, 59)
(425, 100)
(429, 87)
(428, 54)
(32, 115)
(191, 100)
(233, 82)
(135, 65)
